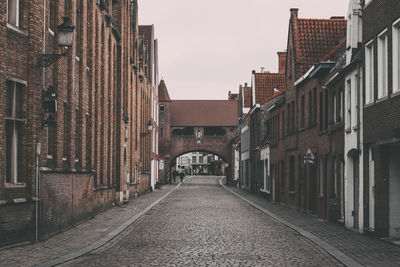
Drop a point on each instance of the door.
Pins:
(312, 186)
(356, 177)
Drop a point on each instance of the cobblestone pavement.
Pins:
(364, 249)
(202, 224)
(80, 236)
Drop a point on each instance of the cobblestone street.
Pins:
(203, 224)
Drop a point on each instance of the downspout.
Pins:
(38, 146)
(358, 107)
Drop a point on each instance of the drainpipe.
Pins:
(358, 107)
(38, 145)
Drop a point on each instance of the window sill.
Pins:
(383, 98)
(17, 30)
(395, 94)
(369, 104)
(292, 193)
(16, 185)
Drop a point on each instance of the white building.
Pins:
(353, 148)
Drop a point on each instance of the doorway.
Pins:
(394, 192)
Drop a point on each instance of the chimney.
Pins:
(282, 62)
(294, 12)
(245, 84)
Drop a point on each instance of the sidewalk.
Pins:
(364, 249)
(81, 237)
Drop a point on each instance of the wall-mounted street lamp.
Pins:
(65, 35)
(150, 126)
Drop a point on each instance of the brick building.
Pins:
(381, 118)
(149, 136)
(93, 156)
(304, 50)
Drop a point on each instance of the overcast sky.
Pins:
(209, 47)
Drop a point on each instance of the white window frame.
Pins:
(348, 103)
(396, 56)
(369, 72)
(383, 64)
(17, 2)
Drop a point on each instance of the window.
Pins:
(321, 111)
(14, 131)
(283, 123)
(194, 159)
(382, 64)
(288, 119)
(334, 181)
(200, 159)
(293, 119)
(310, 107)
(214, 131)
(161, 108)
(13, 12)
(348, 100)
(321, 177)
(396, 56)
(291, 174)
(314, 105)
(341, 105)
(282, 175)
(369, 72)
(334, 111)
(66, 131)
(303, 103)
(326, 110)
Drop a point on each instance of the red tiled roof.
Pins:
(204, 113)
(334, 51)
(265, 85)
(277, 93)
(247, 97)
(314, 38)
(163, 94)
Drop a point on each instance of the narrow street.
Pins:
(203, 224)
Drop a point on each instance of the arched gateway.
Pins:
(195, 125)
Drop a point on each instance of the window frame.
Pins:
(369, 72)
(383, 64)
(17, 11)
(396, 56)
(16, 162)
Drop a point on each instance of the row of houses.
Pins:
(79, 112)
(323, 134)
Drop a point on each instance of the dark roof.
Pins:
(204, 113)
(163, 95)
(265, 84)
(314, 38)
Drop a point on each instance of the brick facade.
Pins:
(381, 126)
(95, 154)
(301, 118)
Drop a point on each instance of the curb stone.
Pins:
(108, 237)
(333, 251)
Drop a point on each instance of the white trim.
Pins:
(396, 56)
(369, 72)
(305, 76)
(51, 32)
(383, 65)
